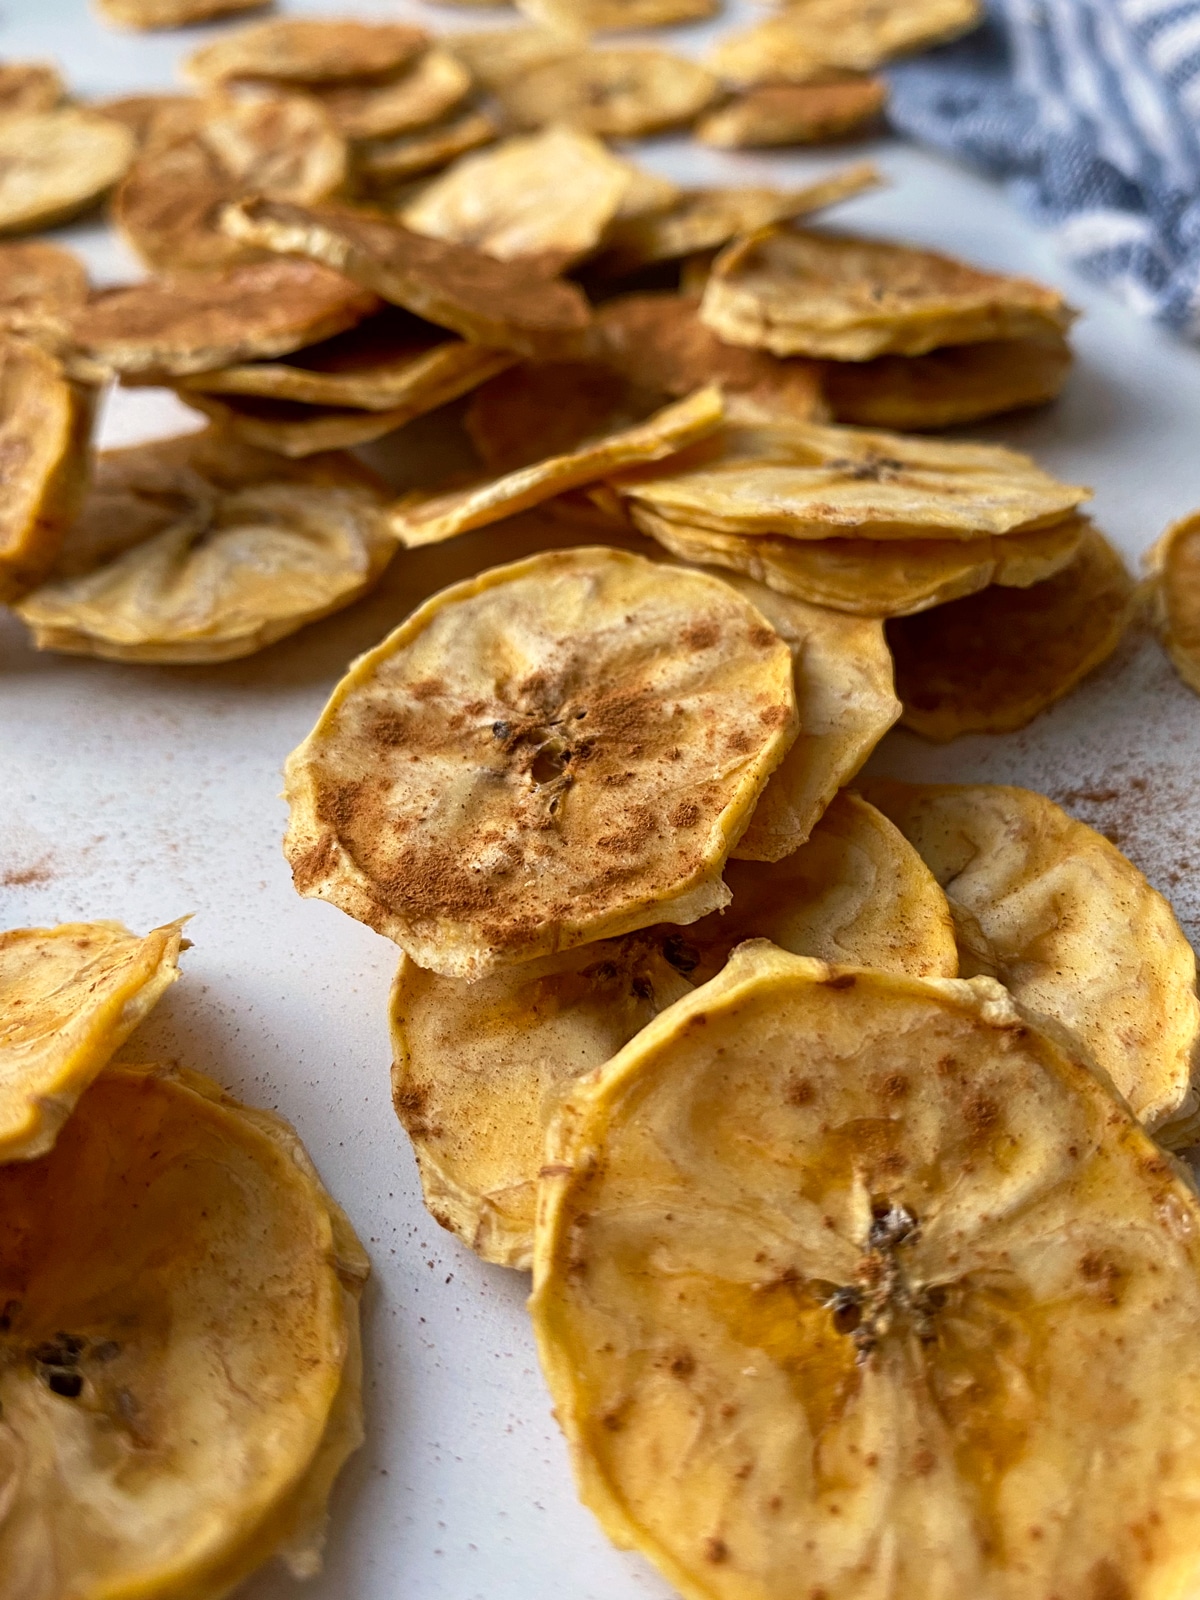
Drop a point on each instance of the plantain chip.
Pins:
(494, 55)
(805, 481)
(991, 662)
(796, 113)
(497, 303)
(55, 164)
(41, 286)
(811, 37)
(1071, 928)
(617, 93)
(422, 92)
(542, 410)
(427, 519)
(874, 578)
(202, 549)
(599, 16)
(180, 1326)
(30, 86)
(211, 151)
(867, 1277)
(293, 429)
(556, 751)
(479, 1067)
(306, 51)
(824, 294)
(145, 15)
(69, 998)
(1174, 569)
(382, 164)
(145, 114)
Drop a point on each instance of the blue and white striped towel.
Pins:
(1091, 110)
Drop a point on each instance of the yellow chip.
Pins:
(599, 16)
(292, 429)
(810, 482)
(418, 520)
(875, 578)
(795, 113)
(55, 164)
(618, 93)
(202, 549)
(479, 1067)
(69, 998)
(383, 163)
(992, 662)
(810, 37)
(30, 86)
(1071, 928)
(425, 90)
(1174, 568)
(180, 1370)
(149, 14)
(556, 751)
(306, 50)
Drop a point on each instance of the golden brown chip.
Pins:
(69, 998)
(292, 428)
(202, 549)
(306, 50)
(479, 1067)
(497, 54)
(502, 304)
(424, 91)
(41, 285)
(946, 387)
(825, 294)
(992, 662)
(805, 481)
(795, 113)
(143, 113)
(196, 322)
(599, 16)
(540, 410)
(810, 37)
(1071, 928)
(1174, 568)
(427, 519)
(866, 1278)
(383, 163)
(618, 93)
(181, 1325)
(459, 798)
(149, 14)
(55, 164)
(30, 86)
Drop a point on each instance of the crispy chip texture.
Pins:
(498, 303)
(1071, 927)
(54, 164)
(598, 16)
(804, 293)
(455, 794)
(295, 429)
(805, 481)
(40, 286)
(810, 37)
(795, 113)
(382, 163)
(30, 86)
(479, 1067)
(619, 93)
(181, 1326)
(69, 998)
(876, 1277)
(306, 50)
(1174, 568)
(543, 409)
(992, 662)
(423, 91)
(149, 14)
(203, 549)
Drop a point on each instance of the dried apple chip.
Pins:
(992, 662)
(618, 93)
(810, 37)
(180, 1325)
(479, 1067)
(383, 163)
(55, 164)
(484, 808)
(69, 998)
(203, 549)
(1174, 568)
(424, 91)
(868, 1277)
(145, 15)
(30, 86)
(795, 113)
(306, 51)
(599, 16)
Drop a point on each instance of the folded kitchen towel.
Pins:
(1090, 109)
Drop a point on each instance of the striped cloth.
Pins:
(1090, 110)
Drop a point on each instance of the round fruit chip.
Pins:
(495, 55)
(865, 1277)
(1174, 568)
(479, 1067)
(55, 164)
(180, 1324)
(544, 409)
(382, 163)
(144, 114)
(617, 93)
(812, 37)
(600, 16)
(306, 51)
(1069, 926)
(795, 113)
(202, 549)
(69, 998)
(149, 14)
(802, 293)
(553, 752)
(992, 662)
(875, 578)
(293, 429)
(30, 86)
(423, 91)
(40, 286)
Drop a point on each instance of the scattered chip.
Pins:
(1174, 568)
(480, 1066)
(424, 91)
(55, 164)
(865, 1277)
(305, 51)
(618, 93)
(811, 37)
(69, 998)
(41, 285)
(484, 808)
(149, 14)
(197, 322)
(181, 1325)
(294, 429)
(540, 410)
(494, 56)
(992, 662)
(600, 16)
(30, 86)
(144, 114)
(795, 113)
(498, 303)
(427, 519)
(201, 549)
(384, 163)
(825, 294)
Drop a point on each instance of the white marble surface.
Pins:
(143, 793)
